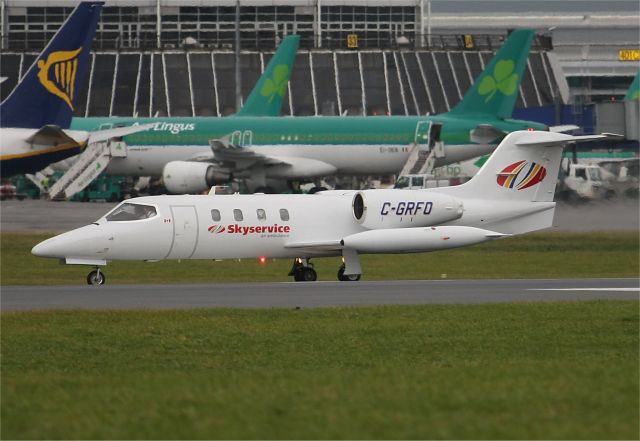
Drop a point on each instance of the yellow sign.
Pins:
(352, 41)
(65, 66)
(629, 55)
(468, 41)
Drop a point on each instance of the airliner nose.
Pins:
(46, 248)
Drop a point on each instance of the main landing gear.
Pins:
(302, 271)
(96, 277)
(347, 278)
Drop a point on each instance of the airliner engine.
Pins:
(182, 177)
(377, 209)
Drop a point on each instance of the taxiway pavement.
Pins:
(313, 295)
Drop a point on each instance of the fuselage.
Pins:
(353, 145)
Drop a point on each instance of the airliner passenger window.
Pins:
(261, 214)
(284, 214)
(237, 215)
(215, 215)
(131, 212)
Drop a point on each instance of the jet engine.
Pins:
(191, 177)
(377, 209)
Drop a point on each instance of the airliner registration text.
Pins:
(409, 208)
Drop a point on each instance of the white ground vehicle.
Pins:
(585, 182)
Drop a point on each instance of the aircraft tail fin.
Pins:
(518, 182)
(524, 167)
(267, 95)
(495, 91)
(47, 94)
(633, 94)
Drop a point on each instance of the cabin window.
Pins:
(261, 214)
(237, 215)
(131, 212)
(215, 215)
(284, 214)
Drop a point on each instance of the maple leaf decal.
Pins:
(504, 79)
(277, 84)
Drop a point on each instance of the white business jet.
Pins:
(511, 194)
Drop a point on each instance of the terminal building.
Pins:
(357, 57)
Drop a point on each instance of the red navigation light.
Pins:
(262, 259)
(531, 129)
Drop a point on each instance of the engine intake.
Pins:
(376, 209)
(191, 177)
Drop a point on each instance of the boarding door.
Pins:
(423, 129)
(185, 232)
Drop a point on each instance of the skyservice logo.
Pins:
(250, 229)
(63, 65)
(521, 175)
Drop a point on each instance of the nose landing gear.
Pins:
(96, 277)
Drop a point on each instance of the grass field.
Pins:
(565, 370)
(542, 255)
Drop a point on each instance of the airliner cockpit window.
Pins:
(131, 212)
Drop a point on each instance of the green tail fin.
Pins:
(496, 89)
(633, 94)
(266, 97)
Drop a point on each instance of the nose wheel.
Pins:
(302, 271)
(96, 277)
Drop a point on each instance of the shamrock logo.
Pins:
(277, 84)
(635, 96)
(503, 79)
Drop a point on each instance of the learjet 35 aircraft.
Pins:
(511, 194)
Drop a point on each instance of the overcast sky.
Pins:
(547, 6)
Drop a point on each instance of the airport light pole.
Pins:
(237, 54)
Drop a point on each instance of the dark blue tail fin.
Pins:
(47, 93)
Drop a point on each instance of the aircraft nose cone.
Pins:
(45, 248)
(84, 242)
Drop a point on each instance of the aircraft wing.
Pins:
(486, 133)
(317, 246)
(242, 157)
(54, 135)
(118, 132)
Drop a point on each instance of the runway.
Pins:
(313, 295)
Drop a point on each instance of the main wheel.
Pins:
(95, 277)
(305, 274)
(309, 274)
(347, 278)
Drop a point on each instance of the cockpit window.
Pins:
(131, 212)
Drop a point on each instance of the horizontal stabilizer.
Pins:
(54, 135)
(551, 139)
(563, 128)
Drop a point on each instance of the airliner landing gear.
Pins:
(96, 277)
(347, 278)
(302, 270)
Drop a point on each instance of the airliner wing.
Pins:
(226, 152)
